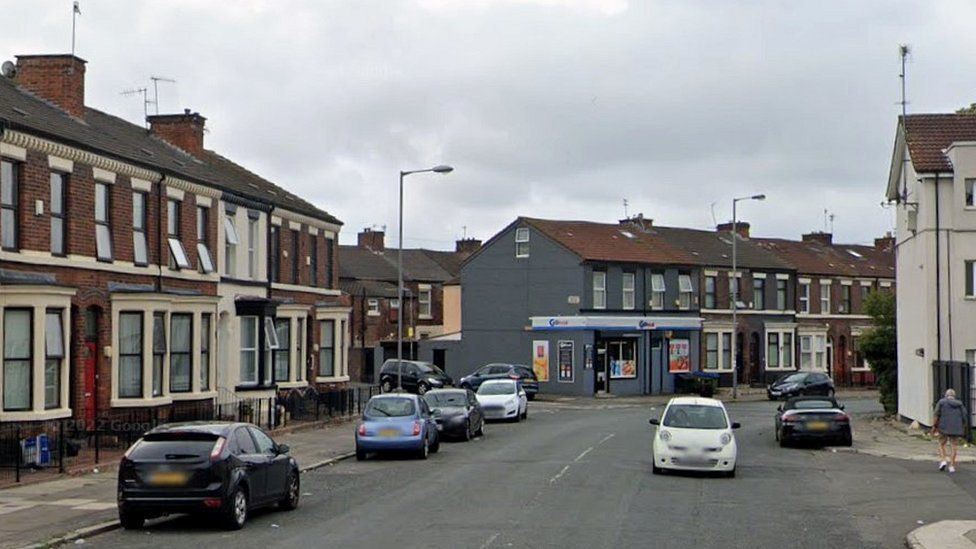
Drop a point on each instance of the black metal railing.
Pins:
(309, 404)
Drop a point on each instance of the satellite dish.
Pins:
(8, 69)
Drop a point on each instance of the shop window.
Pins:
(622, 355)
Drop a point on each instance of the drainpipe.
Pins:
(267, 247)
(938, 276)
(159, 234)
(362, 332)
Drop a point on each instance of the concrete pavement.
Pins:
(85, 505)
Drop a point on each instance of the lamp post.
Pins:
(437, 169)
(735, 292)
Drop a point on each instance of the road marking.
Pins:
(579, 457)
(491, 539)
(561, 473)
(606, 438)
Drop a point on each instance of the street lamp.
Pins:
(735, 292)
(436, 169)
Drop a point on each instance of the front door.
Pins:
(440, 358)
(755, 364)
(602, 371)
(90, 366)
(368, 365)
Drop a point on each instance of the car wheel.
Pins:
(467, 430)
(783, 442)
(525, 414)
(436, 446)
(530, 396)
(656, 470)
(777, 434)
(293, 493)
(730, 474)
(518, 417)
(360, 455)
(235, 515)
(481, 429)
(386, 386)
(422, 388)
(424, 450)
(131, 520)
(848, 440)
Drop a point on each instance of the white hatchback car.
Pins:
(694, 434)
(503, 399)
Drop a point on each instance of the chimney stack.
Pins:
(371, 240)
(741, 227)
(184, 131)
(59, 79)
(823, 238)
(886, 243)
(638, 222)
(466, 246)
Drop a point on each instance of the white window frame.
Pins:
(522, 242)
(805, 297)
(599, 289)
(759, 278)
(658, 289)
(785, 356)
(372, 307)
(103, 228)
(711, 280)
(250, 347)
(968, 191)
(252, 248)
(721, 350)
(231, 241)
(855, 346)
(628, 291)
(425, 302)
(685, 291)
(825, 296)
(813, 347)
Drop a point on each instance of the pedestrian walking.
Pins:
(950, 424)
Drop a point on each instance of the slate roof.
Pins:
(419, 265)
(372, 288)
(711, 248)
(611, 242)
(111, 136)
(930, 134)
(817, 258)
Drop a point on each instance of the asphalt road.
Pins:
(579, 476)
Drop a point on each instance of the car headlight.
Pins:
(513, 403)
(665, 435)
(725, 439)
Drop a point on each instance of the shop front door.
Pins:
(602, 371)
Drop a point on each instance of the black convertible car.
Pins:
(225, 469)
(813, 419)
(457, 412)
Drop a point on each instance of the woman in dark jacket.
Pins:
(950, 424)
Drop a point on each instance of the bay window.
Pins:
(130, 354)
(282, 355)
(18, 359)
(181, 353)
(813, 352)
(54, 354)
(205, 326)
(300, 350)
(249, 349)
(326, 348)
(159, 353)
(779, 350)
(718, 351)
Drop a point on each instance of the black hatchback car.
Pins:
(225, 469)
(416, 376)
(457, 413)
(799, 384)
(518, 372)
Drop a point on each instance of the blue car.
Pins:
(397, 422)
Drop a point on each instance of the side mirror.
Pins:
(841, 406)
(779, 408)
(736, 425)
(654, 421)
(283, 448)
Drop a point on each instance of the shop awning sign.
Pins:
(614, 323)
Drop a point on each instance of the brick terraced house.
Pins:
(141, 271)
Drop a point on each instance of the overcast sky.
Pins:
(546, 108)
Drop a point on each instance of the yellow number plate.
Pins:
(168, 478)
(389, 433)
(818, 426)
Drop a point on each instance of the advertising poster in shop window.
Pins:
(565, 361)
(678, 356)
(540, 359)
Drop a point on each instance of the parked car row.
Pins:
(416, 376)
(415, 424)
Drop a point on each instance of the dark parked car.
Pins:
(456, 412)
(418, 377)
(227, 469)
(518, 372)
(813, 419)
(801, 383)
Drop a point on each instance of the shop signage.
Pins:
(679, 359)
(565, 361)
(540, 359)
(614, 323)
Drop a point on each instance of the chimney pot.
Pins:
(886, 243)
(466, 246)
(371, 240)
(59, 79)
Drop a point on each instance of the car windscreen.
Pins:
(793, 378)
(429, 368)
(172, 447)
(813, 405)
(525, 372)
(440, 400)
(496, 389)
(694, 416)
(390, 407)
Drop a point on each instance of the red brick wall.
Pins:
(59, 79)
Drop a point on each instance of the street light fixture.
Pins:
(436, 169)
(735, 292)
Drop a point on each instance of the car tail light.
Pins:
(416, 428)
(218, 448)
(514, 376)
(212, 503)
(843, 418)
(362, 429)
(790, 418)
